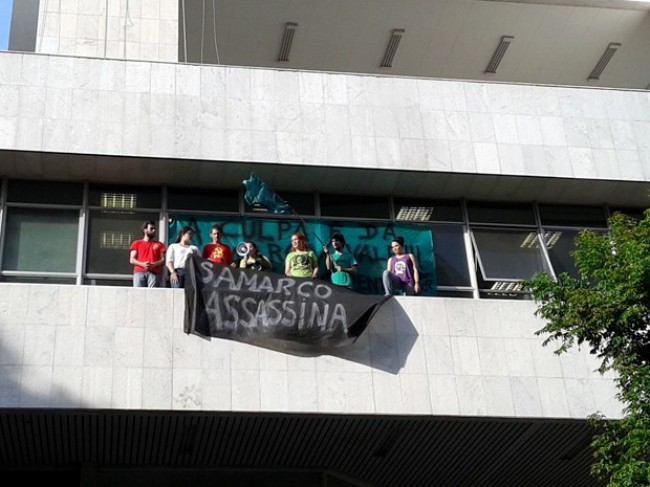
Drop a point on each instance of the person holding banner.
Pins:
(254, 260)
(300, 262)
(401, 272)
(218, 252)
(341, 263)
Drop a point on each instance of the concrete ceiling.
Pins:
(556, 42)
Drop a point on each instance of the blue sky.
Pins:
(5, 20)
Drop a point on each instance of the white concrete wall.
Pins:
(99, 347)
(89, 106)
(118, 29)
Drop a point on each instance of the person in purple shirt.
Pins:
(401, 272)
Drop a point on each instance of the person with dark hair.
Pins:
(147, 256)
(300, 262)
(254, 259)
(218, 252)
(177, 255)
(341, 263)
(401, 272)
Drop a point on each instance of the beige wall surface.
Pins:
(124, 348)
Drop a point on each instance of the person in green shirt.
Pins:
(340, 262)
(300, 262)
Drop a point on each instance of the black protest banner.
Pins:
(271, 310)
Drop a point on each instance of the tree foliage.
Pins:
(607, 308)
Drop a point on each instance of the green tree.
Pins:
(607, 308)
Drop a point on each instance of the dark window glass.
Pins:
(560, 244)
(41, 240)
(412, 209)
(505, 213)
(349, 206)
(109, 282)
(124, 197)
(45, 192)
(452, 293)
(110, 234)
(573, 216)
(450, 258)
(300, 203)
(38, 280)
(508, 254)
(203, 199)
(636, 213)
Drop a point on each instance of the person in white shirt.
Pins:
(177, 254)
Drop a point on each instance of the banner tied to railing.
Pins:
(271, 310)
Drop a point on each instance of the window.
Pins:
(40, 240)
(124, 197)
(573, 216)
(348, 206)
(45, 192)
(427, 210)
(110, 234)
(450, 256)
(501, 213)
(203, 199)
(301, 203)
(507, 256)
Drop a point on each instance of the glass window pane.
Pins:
(508, 254)
(46, 192)
(109, 282)
(124, 197)
(636, 213)
(41, 240)
(38, 280)
(110, 235)
(350, 206)
(560, 244)
(203, 199)
(510, 213)
(450, 257)
(301, 203)
(573, 216)
(416, 209)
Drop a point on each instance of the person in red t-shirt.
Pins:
(218, 252)
(147, 257)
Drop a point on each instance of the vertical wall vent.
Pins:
(287, 40)
(391, 48)
(612, 47)
(498, 54)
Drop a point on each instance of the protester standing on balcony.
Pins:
(340, 262)
(177, 255)
(147, 257)
(218, 252)
(300, 262)
(401, 272)
(254, 259)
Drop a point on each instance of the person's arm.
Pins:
(416, 274)
(265, 263)
(388, 265)
(314, 260)
(134, 261)
(287, 267)
(328, 258)
(173, 276)
(159, 262)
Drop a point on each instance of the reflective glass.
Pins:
(352, 206)
(415, 209)
(508, 254)
(109, 237)
(124, 197)
(301, 203)
(573, 216)
(45, 192)
(450, 258)
(203, 199)
(41, 240)
(560, 244)
(505, 213)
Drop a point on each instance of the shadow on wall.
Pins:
(30, 386)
